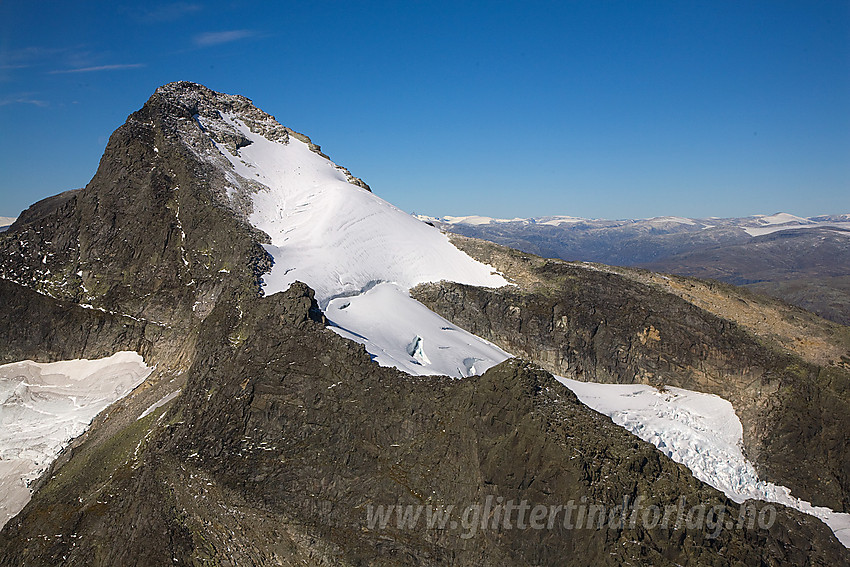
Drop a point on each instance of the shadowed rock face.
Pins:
(151, 239)
(32, 325)
(281, 441)
(595, 325)
(284, 432)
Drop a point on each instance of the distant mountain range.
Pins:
(804, 261)
(755, 225)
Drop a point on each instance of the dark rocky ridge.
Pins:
(599, 326)
(284, 430)
(276, 448)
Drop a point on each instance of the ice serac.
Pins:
(398, 331)
(358, 252)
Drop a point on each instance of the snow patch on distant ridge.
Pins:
(6, 222)
(675, 220)
(781, 218)
(756, 225)
(796, 224)
(476, 220)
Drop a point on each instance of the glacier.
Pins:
(43, 406)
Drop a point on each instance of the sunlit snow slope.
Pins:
(702, 432)
(358, 251)
(400, 332)
(44, 406)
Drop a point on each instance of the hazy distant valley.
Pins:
(804, 261)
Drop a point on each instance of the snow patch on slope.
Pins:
(759, 225)
(399, 331)
(6, 222)
(334, 236)
(158, 404)
(477, 220)
(770, 229)
(700, 431)
(558, 220)
(343, 241)
(674, 220)
(781, 218)
(44, 406)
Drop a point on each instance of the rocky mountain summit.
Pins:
(269, 434)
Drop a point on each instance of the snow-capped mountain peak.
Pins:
(325, 228)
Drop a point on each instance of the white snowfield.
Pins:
(476, 219)
(780, 218)
(700, 431)
(356, 250)
(558, 220)
(784, 221)
(44, 406)
(673, 220)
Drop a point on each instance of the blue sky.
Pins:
(599, 109)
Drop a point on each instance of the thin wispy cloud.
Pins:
(24, 57)
(22, 99)
(217, 38)
(97, 68)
